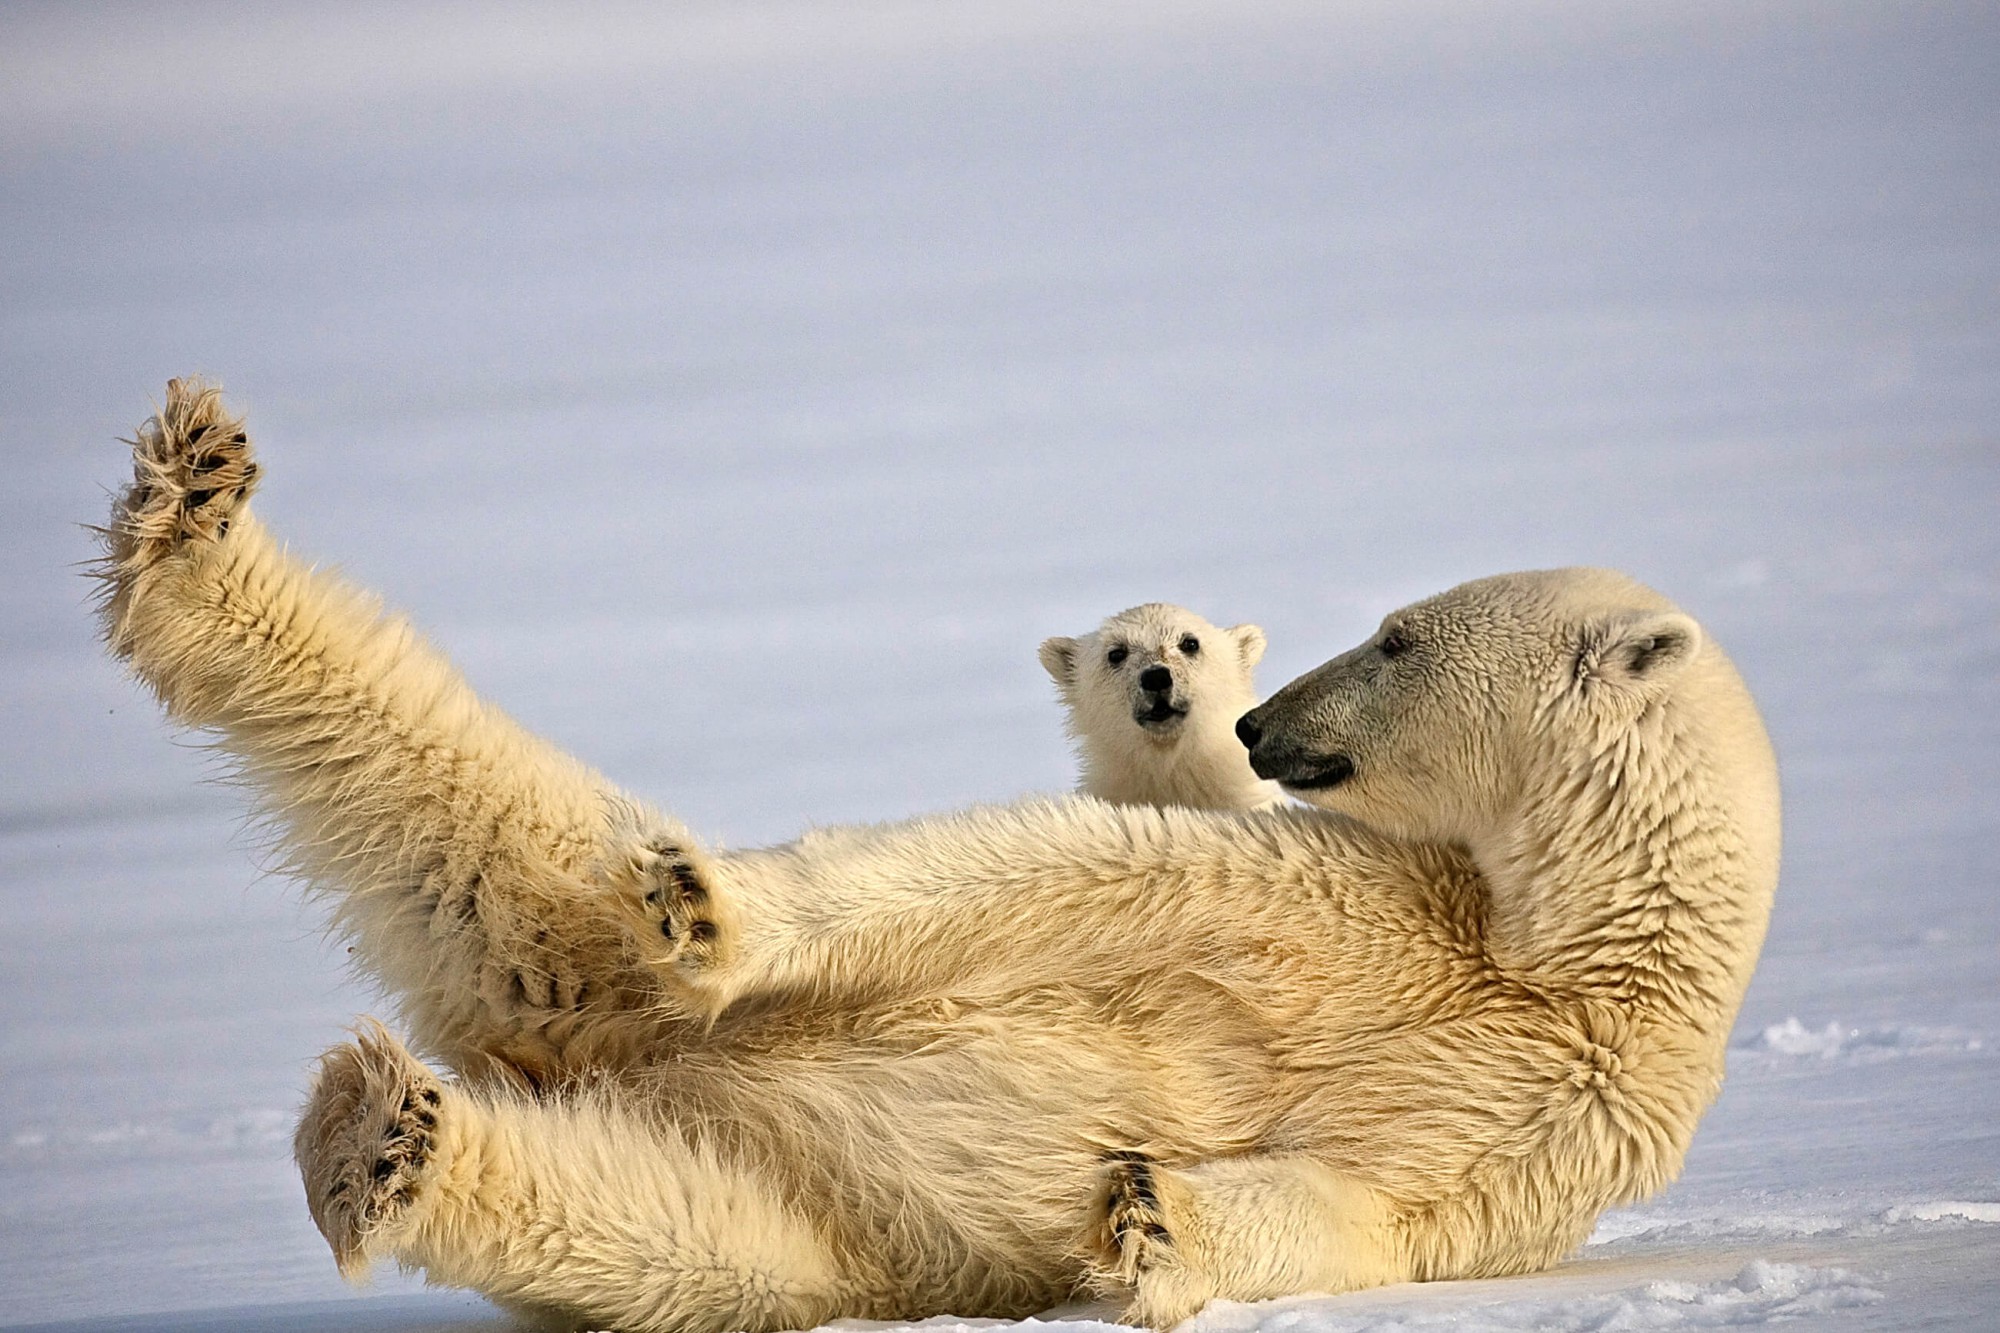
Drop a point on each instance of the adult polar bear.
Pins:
(974, 1063)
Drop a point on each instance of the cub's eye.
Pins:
(1117, 656)
(1394, 644)
(1190, 645)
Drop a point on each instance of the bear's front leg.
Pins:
(1245, 1228)
(909, 908)
(683, 925)
(1144, 1246)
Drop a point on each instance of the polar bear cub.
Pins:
(1153, 697)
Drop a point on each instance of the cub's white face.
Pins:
(1432, 728)
(1155, 672)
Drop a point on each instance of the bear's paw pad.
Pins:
(191, 471)
(366, 1142)
(669, 904)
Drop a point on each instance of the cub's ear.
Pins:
(1637, 649)
(1059, 660)
(1249, 643)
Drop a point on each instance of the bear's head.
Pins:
(1145, 671)
(1520, 692)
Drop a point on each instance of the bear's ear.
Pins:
(1059, 660)
(1249, 643)
(1637, 649)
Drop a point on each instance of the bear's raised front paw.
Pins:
(191, 472)
(366, 1143)
(665, 895)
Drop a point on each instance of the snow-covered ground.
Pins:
(740, 391)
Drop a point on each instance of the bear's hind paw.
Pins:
(191, 472)
(366, 1143)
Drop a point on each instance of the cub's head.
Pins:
(1155, 671)
(1463, 703)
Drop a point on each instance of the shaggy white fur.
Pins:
(976, 1063)
(1153, 695)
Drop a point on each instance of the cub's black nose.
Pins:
(1157, 679)
(1248, 731)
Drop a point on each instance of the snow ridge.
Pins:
(1948, 1210)
(249, 1132)
(1762, 1292)
(1634, 1225)
(1837, 1041)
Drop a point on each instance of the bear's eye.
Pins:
(1117, 656)
(1190, 645)
(1394, 644)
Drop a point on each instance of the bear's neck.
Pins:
(1193, 773)
(1626, 874)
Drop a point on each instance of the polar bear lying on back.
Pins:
(1153, 697)
(977, 1063)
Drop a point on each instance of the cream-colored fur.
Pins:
(975, 1063)
(1175, 742)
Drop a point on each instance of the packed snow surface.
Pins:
(740, 392)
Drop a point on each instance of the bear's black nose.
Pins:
(1157, 679)
(1248, 731)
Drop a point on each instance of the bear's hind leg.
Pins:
(365, 1142)
(454, 846)
(191, 472)
(579, 1207)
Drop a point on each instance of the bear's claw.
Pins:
(1135, 1223)
(366, 1142)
